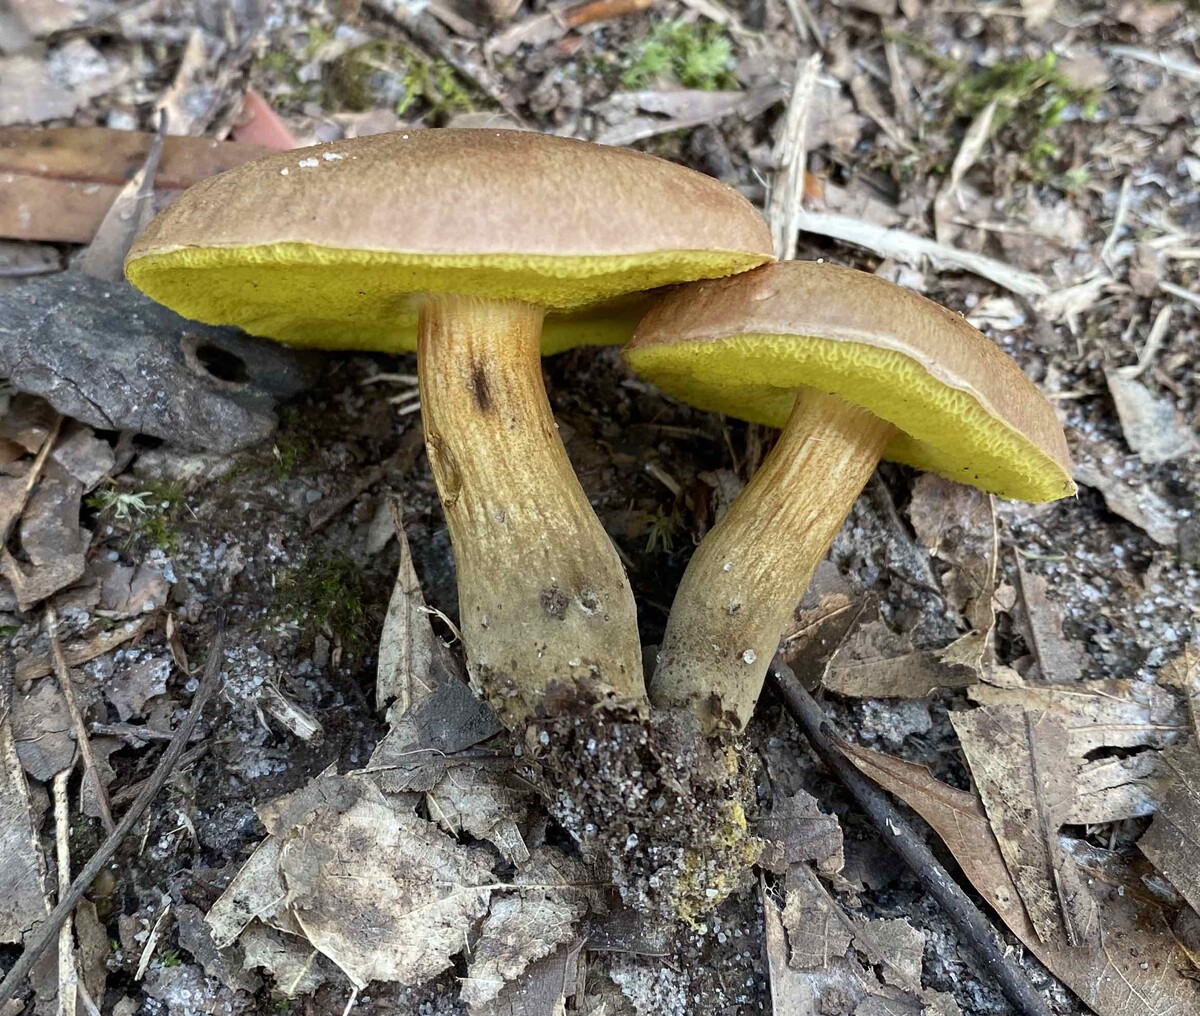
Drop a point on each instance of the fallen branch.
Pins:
(47, 932)
(906, 842)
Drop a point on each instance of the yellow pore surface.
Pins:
(941, 429)
(331, 298)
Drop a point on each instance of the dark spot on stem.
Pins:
(479, 388)
(554, 602)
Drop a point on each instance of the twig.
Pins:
(913, 250)
(63, 673)
(791, 157)
(67, 977)
(188, 758)
(900, 835)
(31, 477)
(48, 930)
(1173, 65)
(1179, 291)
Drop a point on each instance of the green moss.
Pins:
(1031, 97)
(325, 594)
(151, 514)
(696, 56)
(376, 72)
(663, 528)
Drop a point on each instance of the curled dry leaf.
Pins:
(483, 803)
(1118, 477)
(1138, 970)
(1058, 659)
(1154, 429)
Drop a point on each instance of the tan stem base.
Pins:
(543, 597)
(746, 577)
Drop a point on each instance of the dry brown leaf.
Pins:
(817, 930)
(60, 183)
(549, 897)
(23, 875)
(1110, 713)
(1113, 789)
(957, 524)
(1138, 970)
(1154, 429)
(384, 894)
(483, 803)
(42, 730)
(825, 614)
(1025, 776)
(797, 831)
(51, 538)
(1058, 659)
(408, 647)
(298, 969)
(1117, 476)
(876, 662)
(636, 116)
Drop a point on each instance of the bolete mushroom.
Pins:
(458, 243)
(853, 369)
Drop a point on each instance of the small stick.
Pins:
(48, 930)
(906, 842)
(31, 477)
(63, 673)
(67, 977)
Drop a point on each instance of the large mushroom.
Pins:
(482, 250)
(853, 369)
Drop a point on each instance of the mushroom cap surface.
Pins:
(962, 408)
(333, 246)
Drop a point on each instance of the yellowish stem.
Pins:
(543, 597)
(743, 583)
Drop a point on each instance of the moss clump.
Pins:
(387, 73)
(325, 594)
(151, 514)
(1032, 97)
(693, 55)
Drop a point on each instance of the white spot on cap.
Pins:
(727, 566)
(331, 156)
(284, 171)
(308, 163)
(749, 656)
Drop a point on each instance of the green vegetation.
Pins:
(151, 514)
(360, 79)
(1031, 96)
(696, 56)
(326, 593)
(662, 530)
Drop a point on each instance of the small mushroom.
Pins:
(853, 369)
(481, 249)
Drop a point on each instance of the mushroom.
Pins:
(458, 243)
(853, 369)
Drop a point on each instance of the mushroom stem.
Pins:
(542, 596)
(742, 585)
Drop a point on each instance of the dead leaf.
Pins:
(818, 932)
(42, 731)
(298, 968)
(484, 804)
(80, 651)
(83, 455)
(134, 680)
(1154, 429)
(797, 831)
(550, 895)
(60, 183)
(23, 874)
(1110, 713)
(896, 946)
(957, 524)
(94, 948)
(1021, 766)
(1113, 789)
(876, 662)
(225, 965)
(1138, 970)
(29, 94)
(410, 654)
(384, 894)
(1118, 477)
(1059, 661)
(825, 614)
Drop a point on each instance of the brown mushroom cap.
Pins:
(962, 408)
(322, 246)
